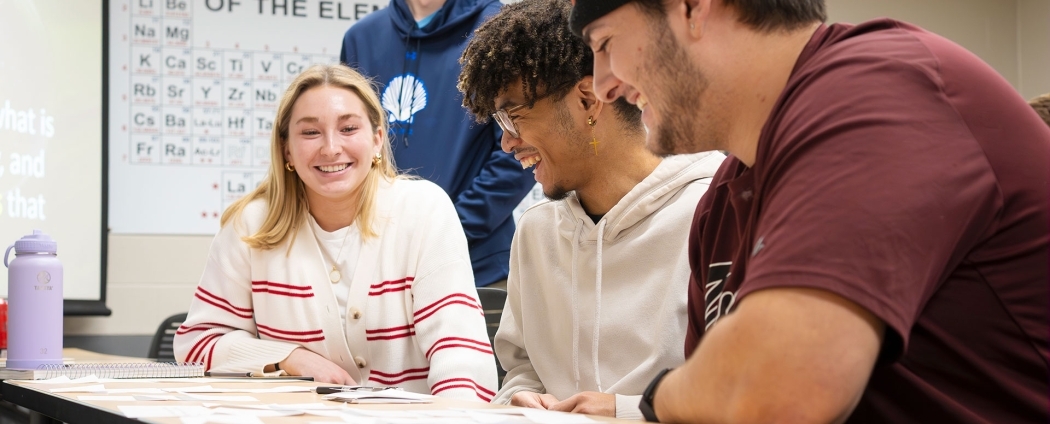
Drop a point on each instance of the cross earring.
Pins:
(594, 141)
(289, 167)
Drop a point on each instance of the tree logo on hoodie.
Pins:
(403, 97)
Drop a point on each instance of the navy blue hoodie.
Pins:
(433, 136)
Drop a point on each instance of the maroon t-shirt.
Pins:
(900, 172)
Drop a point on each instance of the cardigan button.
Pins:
(355, 313)
(360, 362)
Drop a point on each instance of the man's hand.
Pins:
(593, 403)
(533, 400)
(307, 363)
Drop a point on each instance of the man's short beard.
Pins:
(678, 83)
(555, 193)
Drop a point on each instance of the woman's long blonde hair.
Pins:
(284, 192)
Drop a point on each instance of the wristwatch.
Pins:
(646, 405)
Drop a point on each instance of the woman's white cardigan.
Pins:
(413, 316)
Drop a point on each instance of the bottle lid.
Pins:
(38, 242)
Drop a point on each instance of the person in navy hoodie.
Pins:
(411, 49)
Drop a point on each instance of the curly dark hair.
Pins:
(528, 40)
(1041, 105)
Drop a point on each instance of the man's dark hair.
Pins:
(528, 40)
(762, 15)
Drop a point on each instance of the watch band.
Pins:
(646, 404)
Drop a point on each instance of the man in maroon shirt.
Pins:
(875, 249)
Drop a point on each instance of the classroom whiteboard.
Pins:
(51, 139)
(193, 90)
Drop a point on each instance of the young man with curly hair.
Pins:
(587, 320)
(874, 250)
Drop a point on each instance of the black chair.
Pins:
(492, 301)
(162, 348)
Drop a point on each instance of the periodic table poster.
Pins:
(193, 89)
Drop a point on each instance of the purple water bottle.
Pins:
(34, 297)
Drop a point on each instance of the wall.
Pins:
(152, 277)
(1013, 36)
(1033, 35)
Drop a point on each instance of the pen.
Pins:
(227, 374)
(324, 390)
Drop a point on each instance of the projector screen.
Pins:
(51, 139)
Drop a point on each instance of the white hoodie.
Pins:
(632, 281)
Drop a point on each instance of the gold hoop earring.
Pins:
(377, 159)
(594, 141)
(289, 167)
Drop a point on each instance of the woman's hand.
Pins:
(309, 364)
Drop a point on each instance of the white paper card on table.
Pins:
(108, 398)
(210, 389)
(138, 411)
(152, 398)
(142, 390)
(219, 398)
(554, 417)
(95, 388)
(483, 418)
(255, 412)
(100, 388)
(222, 419)
(381, 396)
(279, 406)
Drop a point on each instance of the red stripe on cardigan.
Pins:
(281, 293)
(399, 380)
(408, 371)
(219, 298)
(463, 295)
(401, 281)
(451, 302)
(466, 383)
(481, 388)
(409, 333)
(223, 307)
(183, 329)
(479, 343)
(211, 354)
(274, 288)
(395, 286)
(385, 291)
(290, 339)
(449, 346)
(283, 286)
(198, 347)
(292, 333)
(387, 330)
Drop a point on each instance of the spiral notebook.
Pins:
(107, 370)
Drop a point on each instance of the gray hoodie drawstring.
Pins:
(598, 305)
(575, 312)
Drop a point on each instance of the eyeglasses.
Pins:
(502, 118)
(507, 124)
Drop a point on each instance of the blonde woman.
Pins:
(338, 268)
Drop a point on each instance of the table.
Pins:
(66, 407)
